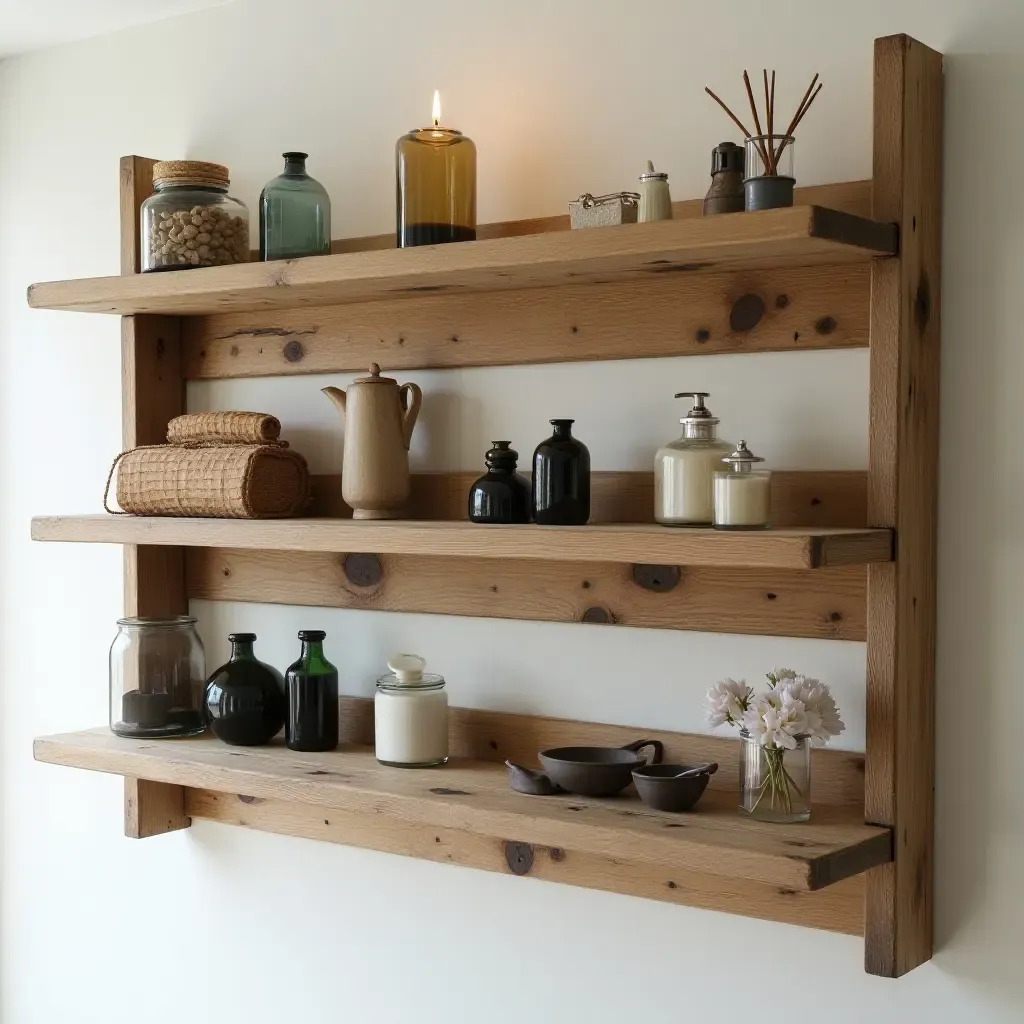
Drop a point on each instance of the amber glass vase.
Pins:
(435, 179)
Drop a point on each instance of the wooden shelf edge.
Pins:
(795, 236)
(641, 543)
(474, 796)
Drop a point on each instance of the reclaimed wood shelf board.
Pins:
(798, 236)
(810, 548)
(474, 796)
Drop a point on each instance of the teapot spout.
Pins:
(337, 396)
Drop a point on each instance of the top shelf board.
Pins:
(797, 236)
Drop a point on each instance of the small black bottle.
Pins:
(561, 478)
(311, 688)
(244, 699)
(501, 495)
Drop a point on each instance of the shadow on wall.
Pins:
(979, 803)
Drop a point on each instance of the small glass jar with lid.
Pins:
(190, 220)
(684, 470)
(410, 715)
(157, 672)
(742, 493)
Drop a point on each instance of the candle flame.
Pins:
(437, 108)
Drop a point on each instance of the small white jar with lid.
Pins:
(742, 493)
(655, 198)
(410, 714)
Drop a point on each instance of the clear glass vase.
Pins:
(775, 783)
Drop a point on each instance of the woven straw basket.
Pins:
(234, 481)
(224, 428)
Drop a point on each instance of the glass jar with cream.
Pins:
(684, 470)
(742, 493)
(410, 715)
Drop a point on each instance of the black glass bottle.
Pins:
(561, 478)
(244, 699)
(311, 689)
(501, 495)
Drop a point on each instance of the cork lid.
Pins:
(189, 172)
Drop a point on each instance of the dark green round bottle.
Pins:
(311, 689)
(295, 214)
(244, 698)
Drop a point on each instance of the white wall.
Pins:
(560, 98)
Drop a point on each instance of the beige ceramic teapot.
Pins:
(378, 416)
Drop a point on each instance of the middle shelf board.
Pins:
(640, 543)
(474, 796)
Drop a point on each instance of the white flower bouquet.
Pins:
(795, 713)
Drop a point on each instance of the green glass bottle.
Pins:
(311, 692)
(295, 214)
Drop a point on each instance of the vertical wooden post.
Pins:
(902, 494)
(152, 392)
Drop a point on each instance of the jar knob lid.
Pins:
(408, 668)
(742, 459)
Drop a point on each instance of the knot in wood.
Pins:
(362, 570)
(595, 613)
(519, 857)
(746, 312)
(659, 578)
(293, 351)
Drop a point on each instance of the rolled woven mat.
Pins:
(224, 428)
(234, 481)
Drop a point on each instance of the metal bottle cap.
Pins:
(652, 175)
(727, 156)
(742, 459)
(699, 411)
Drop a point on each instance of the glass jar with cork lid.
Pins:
(190, 220)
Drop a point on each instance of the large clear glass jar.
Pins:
(157, 672)
(190, 220)
(684, 470)
(775, 782)
(410, 715)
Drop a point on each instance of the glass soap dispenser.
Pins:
(295, 214)
(742, 493)
(684, 470)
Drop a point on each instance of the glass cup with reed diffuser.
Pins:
(768, 178)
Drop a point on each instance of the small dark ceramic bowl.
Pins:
(596, 771)
(660, 790)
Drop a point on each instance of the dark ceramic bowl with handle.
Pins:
(672, 787)
(597, 771)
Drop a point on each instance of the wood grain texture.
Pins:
(798, 498)
(838, 908)
(805, 548)
(474, 796)
(152, 393)
(849, 196)
(664, 315)
(828, 604)
(902, 493)
(499, 736)
(795, 237)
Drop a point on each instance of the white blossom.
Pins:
(726, 702)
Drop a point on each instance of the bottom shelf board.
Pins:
(474, 797)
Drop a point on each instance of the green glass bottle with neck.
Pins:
(311, 693)
(295, 214)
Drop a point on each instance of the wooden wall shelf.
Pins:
(472, 795)
(849, 556)
(809, 548)
(798, 236)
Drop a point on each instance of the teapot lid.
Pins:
(375, 377)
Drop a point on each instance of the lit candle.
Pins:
(435, 170)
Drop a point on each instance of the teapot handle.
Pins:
(411, 398)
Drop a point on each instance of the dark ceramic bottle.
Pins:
(561, 478)
(244, 699)
(501, 495)
(311, 691)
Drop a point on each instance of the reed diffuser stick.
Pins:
(735, 119)
(757, 125)
(768, 115)
(805, 105)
